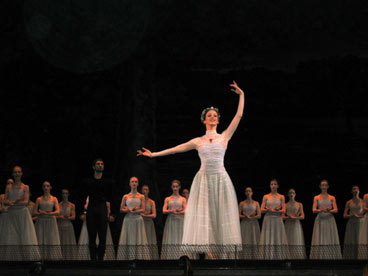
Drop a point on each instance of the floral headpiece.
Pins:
(204, 112)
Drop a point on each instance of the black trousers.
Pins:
(97, 225)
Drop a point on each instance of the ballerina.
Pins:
(18, 236)
(250, 213)
(174, 207)
(293, 228)
(354, 212)
(325, 238)
(363, 238)
(148, 215)
(133, 239)
(212, 211)
(66, 229)
(46, 209)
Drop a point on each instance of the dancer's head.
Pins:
(65, 194)
(210, 116)
(133, 182)
(10, 181)
(248, 192)
(46, 186)
(175, 185)
(291, 193)
(17, 172)
(274, 185)
(355, 190)
(324, 185)
(98, 165)
(185, 193)
(145, 190)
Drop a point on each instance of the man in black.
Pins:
(100, 190)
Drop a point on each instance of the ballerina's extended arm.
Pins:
(235, 122)
(190, 145)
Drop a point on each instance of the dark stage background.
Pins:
(81, 79)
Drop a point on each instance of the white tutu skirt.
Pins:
(133, 239)
(18, 240)
(325, 238)
(83, 244)
(171, 240)
(250, 233)
(67, 239)
(151, 237)
(211, 219)
(273, 243)
(295, 237)
(48, 237)
(363, 239)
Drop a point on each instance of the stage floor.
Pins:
(206, 267)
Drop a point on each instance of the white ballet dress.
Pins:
(211, 220)
(352, 232)
(294, 233)
(250, 232)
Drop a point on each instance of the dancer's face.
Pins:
(99, 166)
(248, 192)
(355, 191)
(186, 193)
(133, 182)
(274, 185)
(46, 186)
(291, 194)
(65, 194)
(211, 118)
(324, 186)
(9, 181)
(145, 190)
(175, 187)
(17, 172)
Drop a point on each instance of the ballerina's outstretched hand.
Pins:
(144, 152)
(235, 88)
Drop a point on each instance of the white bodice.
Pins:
(249, 208)
(148, 206)
(132, 202)
(175, 203)
(292, 209)
(325, 203)
(273, 202)
(212, 158)
(356, 209)
(65, 210)
(46, 205)
(15, 193)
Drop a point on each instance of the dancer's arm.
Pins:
(56, 206)
(264, 207)
(235, 122)
(165, 209)
(153, 211)
(72, 208)
(334, 205)
(190, 145)
(346, 211)
(123, 207)
(365, 203)
(241, 215)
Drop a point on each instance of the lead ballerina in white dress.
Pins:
(250, 213)
(293, 228)
(212, 216)
(325, 238)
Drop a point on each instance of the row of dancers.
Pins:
(281, 236)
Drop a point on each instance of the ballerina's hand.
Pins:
(235, 88)
(144, 152)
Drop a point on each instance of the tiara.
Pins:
(204, 112)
